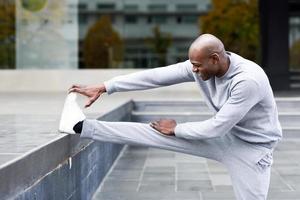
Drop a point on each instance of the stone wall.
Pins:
(66, 168)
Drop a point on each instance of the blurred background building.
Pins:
(89, 34)
(153, 32)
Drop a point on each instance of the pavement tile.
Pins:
(180, 157)
(284, 195)
(159, 169)
(216, 167)
(113, 185)
(194, 185)
(125, 174)
(223, 188)
(158, 177)
(293, 181)
(166, 162)
(277, 182)
(157, 188)
(187, 175)
(160, 154)
(191, 167)
(288, 170)
(219, 195)
(125, 163)
(220, 179)
(146, 195)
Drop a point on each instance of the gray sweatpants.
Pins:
(249, 165)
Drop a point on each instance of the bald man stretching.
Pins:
(242, 133)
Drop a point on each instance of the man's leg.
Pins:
(249, 167)
(142, 134)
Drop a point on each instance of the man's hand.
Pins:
(93, 92)
(165, 126)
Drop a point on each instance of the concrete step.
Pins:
(283, 105)
(295, 85)
(287, 119)
(177, 106)
(295, 77)
(291, 132)
(288, 104)
(290, 124)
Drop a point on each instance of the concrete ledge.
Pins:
(66, 167)
(61, 80)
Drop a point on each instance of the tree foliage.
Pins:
(236, 23)
(7, 34)
(103, 46)
(160, 43)
(295, 55)
(33, 5)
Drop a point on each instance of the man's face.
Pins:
(203, 65)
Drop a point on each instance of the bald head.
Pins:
(208, 57)
(207, 44)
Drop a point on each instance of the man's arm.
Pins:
(147, 79)
(243, 97)
(92, 92)
(151, 78)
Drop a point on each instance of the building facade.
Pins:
(134, 20)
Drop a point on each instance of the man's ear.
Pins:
(215, 58)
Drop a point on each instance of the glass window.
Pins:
(130, 7)
(82, 6)
(157, 7)
(159, 19)
(131, 19)
(106, 6)
(190, 19)
(179, 19)
(83, 19)
(186, 7)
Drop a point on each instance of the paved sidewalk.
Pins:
(150, 174)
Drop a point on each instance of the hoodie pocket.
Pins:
(266, 161)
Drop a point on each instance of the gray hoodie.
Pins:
(242, 100)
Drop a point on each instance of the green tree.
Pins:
(295, 55)
(7, 34)
(33, 5)
(103, 46)
(160, 43)
(236, 23)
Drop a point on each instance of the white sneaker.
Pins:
(70, 115)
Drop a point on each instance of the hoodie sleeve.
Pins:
(151, 78)
(244, 95)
